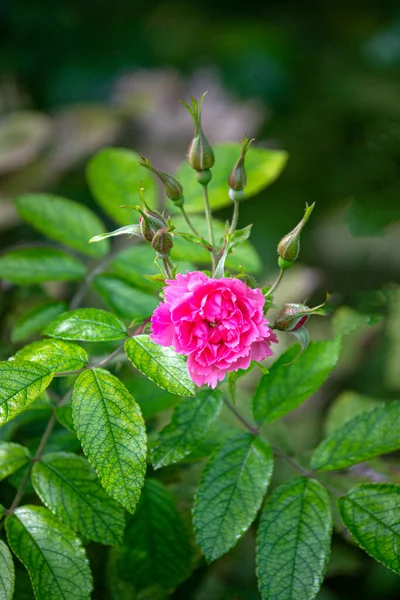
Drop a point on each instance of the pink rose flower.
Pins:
(218, 324)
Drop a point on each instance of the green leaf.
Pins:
(133, 263)
(35, 265)
(231, 491)
(63, 220)
(262, 168)
(86, 325)
(346, 320)
(126, 301)
(12, 458)
(244, 256)
(369, 434)
(56, 355)
(114, 178)
(7, 573)
(156, 547)
(111, 429)
(52, 554)
(35, 319)
(190, 422)
(294, 541)
(371, 514)
(71, 490)
(286, 387)
(369, 215)
(64, 416)
(21, 383)
(160, 364)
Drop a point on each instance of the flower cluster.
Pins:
(218, 323)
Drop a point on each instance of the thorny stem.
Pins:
(235, 217)
(277, 451)
(188, 221)
(207, 209)
(277, 282)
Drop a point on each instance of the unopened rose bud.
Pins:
(292, 317)
(237, 178)
(172, 188)
(146, 230)
(162, 242)
(289, 246)
(200, 154)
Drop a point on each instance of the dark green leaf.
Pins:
(190, 422)
(345, 407)
(52, 554)
(7, 573)
(160, 364)
(231, 491)
(35, 319)
(63, 220)
(86, 325)
(133, 263)
(262, 168)
(371, 214)
(156, 547)
(369, 434)
(35, 265)
(111, 429)
(294, 541)
(126, 301)
(114, 178)
(21, 383)
(12, 458)
(56, 355)
(371, 514)
(71, 490)
(64, 416)
(286, 387)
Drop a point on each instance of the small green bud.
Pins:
(162, 242)
(289, 246)
(204, 177)
(292, 317)
(200, 154)
(146, 230)
(172, 188)
(237, 179)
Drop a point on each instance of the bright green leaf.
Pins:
(126, 301)
(68, 486)
(190, 422)
(231, 491)
(129, 230)
(262, 168)
(243, 256)
(156, 546)
(112, 432)
(35, 319)
(86, 325)
(12, 458)
(63, 220)
(21, 383)
(369, 434)
(286, 387)
(56, 355)
(294, 541)
(35, 265)
(7, 573)
(114, 178)
(52, 554)
(160, 364)
(371, 514)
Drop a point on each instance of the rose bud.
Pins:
(200, 154)
(162, 242)
(237, 179)
(289, 246)
(292, 317)
(172, 188)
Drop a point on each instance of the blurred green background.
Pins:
(320, 80)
